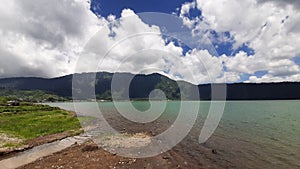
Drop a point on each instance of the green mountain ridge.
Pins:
(141, 87)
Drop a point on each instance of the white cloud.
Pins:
(269, 27)
(45, 39)
(295, 3)
(41, 37)
(204, 66)
(137, 47)
(270, 78)
(184, 13)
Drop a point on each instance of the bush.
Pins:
(3, 100)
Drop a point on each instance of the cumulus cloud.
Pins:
(47, 39)
(130, 45)
(184, 12)
(295, 3)
(41, 37)
(269, 27)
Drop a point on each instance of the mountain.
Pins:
(142, 85)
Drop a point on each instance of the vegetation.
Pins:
(170, 88)
(57, 89)
(104, 96)
(26, 107)
(3, 100)
(28, 96)
(30, 121)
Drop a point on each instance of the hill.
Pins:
(142, 85)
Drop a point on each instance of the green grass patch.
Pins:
(26, 108)
(28, 122)
(85, 119)
(12, 145)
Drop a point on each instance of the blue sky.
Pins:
(115, 7)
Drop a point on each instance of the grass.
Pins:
(11, 145)
(32, 121)
(26, 108)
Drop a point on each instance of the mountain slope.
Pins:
(142, 85)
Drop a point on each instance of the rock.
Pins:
(214, 151)
(166, 157)
(89, 148)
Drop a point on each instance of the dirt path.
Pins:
(78, 152)
(37, 152)
(90, 156)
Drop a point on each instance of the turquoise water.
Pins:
(251, 134)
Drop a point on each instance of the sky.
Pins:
(200, 41)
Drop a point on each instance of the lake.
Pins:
(251, 134)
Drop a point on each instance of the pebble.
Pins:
(166, 157)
